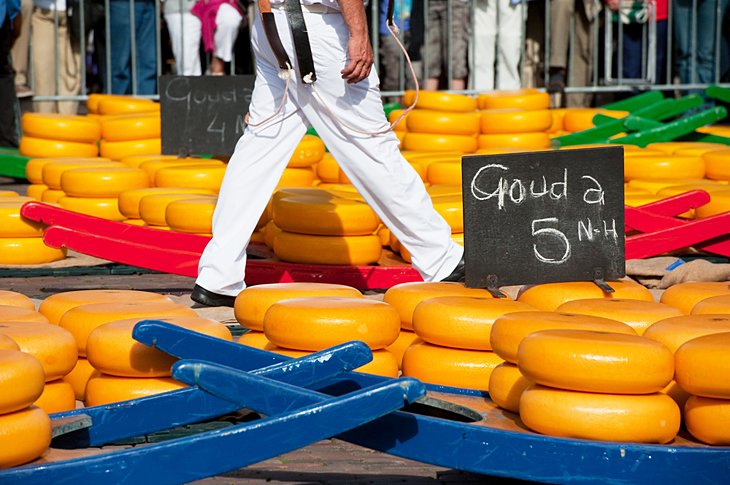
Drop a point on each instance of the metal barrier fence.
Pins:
(607, 36)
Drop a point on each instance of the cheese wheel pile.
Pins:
(49, 135)
(549, 296)
(21, 240)
(132, 132)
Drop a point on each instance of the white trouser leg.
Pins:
(485, 29)
(510, 45)
(184, 31)
(227, 21)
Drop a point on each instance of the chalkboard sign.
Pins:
(203, 114)
(543, 217)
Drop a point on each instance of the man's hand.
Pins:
(358, 46)
(361, 59)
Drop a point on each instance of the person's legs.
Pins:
(460, 32)
(8, 101)
(21, 46)
(632, 47)
(510, 45)
(706, 36)
(184, 29)
(582, 61)
(227, 22)
(661, 51)
(682, 14)
(43, 55)
(485, 37)
(145, 31)
(121, 50)
(433, 50)
(69, 82)
(560, 13)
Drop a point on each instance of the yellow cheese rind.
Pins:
(703, 367)
(54, 306)
(685, 296)
(58, 396)
(638, 314)
(675, 331)
(506, 385)
(21, 380)
(104, 389)
(54, 347)
(549, 296)
(25, 436)
(708, 419)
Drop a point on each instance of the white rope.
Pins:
(283, 74)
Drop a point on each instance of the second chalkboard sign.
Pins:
(543, 217)
(203, 114)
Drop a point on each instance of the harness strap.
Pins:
(272, 35)
(301, 41)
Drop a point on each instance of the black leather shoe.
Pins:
(208, 298)
(458, 275)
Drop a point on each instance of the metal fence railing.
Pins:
(688, 40)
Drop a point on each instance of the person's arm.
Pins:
(358, 46)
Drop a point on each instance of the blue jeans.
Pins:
(121, 48)
(633, 36)
(704, 48)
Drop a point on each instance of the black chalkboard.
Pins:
(543, 217)
(203, 114)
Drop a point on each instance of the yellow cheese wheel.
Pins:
(708, 419)
(444, 366)
(157, 163)
(451, 208)
(117, 150)
(24, 436)
(398, 348)
(208, 177)
(638, 314)
(685, 296)
(14, 313)
(253, 339)
(515, 140)
(719, 203)
(52, 196)
(309, 151)
(462, 322)
(135, 161)
(115, 105)
(648, 418)
(129, 199)
(152, 207)
(557, 125)
(444, 172)
(579, 119)
(675, 331)
(679, 395)
(93, 100)
(506, 385)
(341, 250)
(81, 320)
(13, 298)
(315, 323)
(28, 250)
(590, 361)
(657, 186)
(112, 350)
(270, 232)
(327, 169)
(51, 172)
(672, 147)
(54, 347)
(663, 167)
(6, 343)
(699, 150)
(54, 306)
(106, 207)
(384, 363)
(13, 225)
(395, 116)
(526, 98)
(441, 101)
(549, 296)
(79, 376)
(102, 182)
(436, 190)
(298, 177)
(443, 122)
(702, 366)
(58, 396)
(333, 217)
(21, 380)
(61, 127)
(252, 303)
(719, 304)
(132, 127)
(509, 330)
(36, 190)
(515, 121)
(440, 142)
(42, 148)
(716, 164)
(8, 193)
(406, 296)
(34, 169)
(103, 389)
(294, 354)
(192, 215)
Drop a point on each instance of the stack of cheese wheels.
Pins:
(47, 135)
(21, 240)
(130, 133)
(579, 119)
(153, 207)
(441, 122)
(207, 175)
(152, 165)
(52, 171)
(685, 296)
(52, 346)
(663, 166)
(514, 119)
(597, 385)
(716, 162)
(129, 199)
(129, 369)
(13, 298)
(25, 429)
(404, 297)
(672, 147)
(117, 104)
(718, 204)
(507, 332)
(455, 350)
(327, 169)
(191, 215)
(703, 370)
(315, 323)
(301, 170)
(638, 314)
(713, 305)
(322, 229)
(550, 296)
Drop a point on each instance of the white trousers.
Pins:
(372, 162)
(497, 33)
(185, 31)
